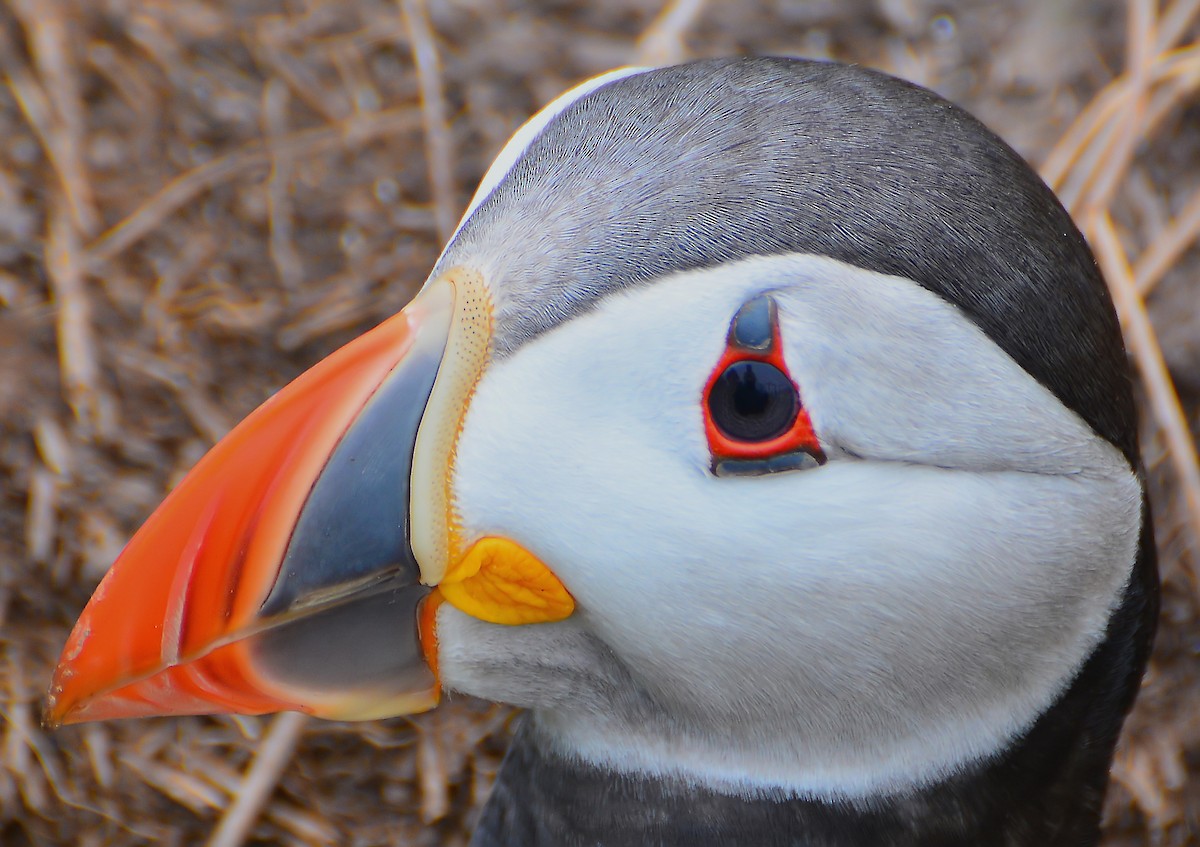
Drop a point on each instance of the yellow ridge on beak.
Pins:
(495, 579)
(300, 564)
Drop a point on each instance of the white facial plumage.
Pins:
(859, 628)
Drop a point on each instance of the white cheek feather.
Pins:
(863, 627)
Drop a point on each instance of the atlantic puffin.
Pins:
(764, 430)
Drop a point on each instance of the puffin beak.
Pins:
(280, 574)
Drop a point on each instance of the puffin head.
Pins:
(765, 423)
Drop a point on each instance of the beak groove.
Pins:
(283, 553)
(301, 563)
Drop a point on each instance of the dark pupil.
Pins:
(753, 401)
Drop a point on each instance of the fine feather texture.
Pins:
(663, 712)
(856, 629)
(695, 165)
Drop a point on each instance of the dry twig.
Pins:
(151, 214)
(1098, 190)
(77, 351)
(1172, 241)
(662, 42)
(57, 117)
(439, 146)
(273, 755)
(1143, 343)
(280, 243)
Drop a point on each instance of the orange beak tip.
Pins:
(278, 575)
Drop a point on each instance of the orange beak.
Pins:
(279, 574)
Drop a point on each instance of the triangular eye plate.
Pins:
(755, 326)
(754, 419)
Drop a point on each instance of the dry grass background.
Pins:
(200, 199)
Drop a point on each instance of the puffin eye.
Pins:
(753, 415)
(753, 401)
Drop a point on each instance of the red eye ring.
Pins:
(796, 437)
